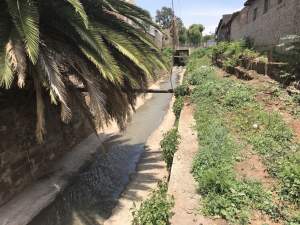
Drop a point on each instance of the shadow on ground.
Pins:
(93, 194)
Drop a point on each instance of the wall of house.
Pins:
(280, 20)
(22, 159)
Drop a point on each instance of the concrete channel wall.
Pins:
(43, 192)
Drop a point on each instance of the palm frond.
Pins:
(50, 74)
(17, 60)
(80, 9)
(25, 16)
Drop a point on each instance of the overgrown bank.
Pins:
(157, 209)
(224, 108)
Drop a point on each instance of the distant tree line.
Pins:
(186, 36)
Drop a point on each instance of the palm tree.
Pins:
(65, 47)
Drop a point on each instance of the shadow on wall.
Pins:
(22, 159)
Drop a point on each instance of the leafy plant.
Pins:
(231, 53)
(156, 210)
(169, 146)
(178, 106)
(289, 51)
(182, 90)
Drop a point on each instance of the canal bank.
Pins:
(93, 193)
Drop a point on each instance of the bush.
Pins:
(232, 52)
(182, 90)
(169, 146)
(156, 210)
(178, 106)
(289, 52)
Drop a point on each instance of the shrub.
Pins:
(156, 210)
(178, 106)
(182, 90)
(232, 52)
(169, 146)
(289, 51)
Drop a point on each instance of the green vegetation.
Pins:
(224, 108)
(178, 106)
(168, 54)
(224, 195)
(182, 90)
(231, 52)
(275, 142)
(56, 46)
(169, 146)
(156, 210)
(194, 34)
(289, 52)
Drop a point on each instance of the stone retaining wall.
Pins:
(22, 159)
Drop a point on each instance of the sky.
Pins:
(206, 12)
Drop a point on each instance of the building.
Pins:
(263, 21)
(223, 32)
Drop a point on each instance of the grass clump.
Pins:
(169, 146)
(156, 210)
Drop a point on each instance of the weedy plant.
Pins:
(169, 146)
(231, 52)
(182, 90)
(156, 210)
(178, 106)
(224, 195)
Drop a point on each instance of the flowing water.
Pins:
(93, 194)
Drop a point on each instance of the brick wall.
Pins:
(280, 20)
(22, 160)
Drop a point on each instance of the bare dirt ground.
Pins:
(264, 87)
(252, 167)
(182, 184)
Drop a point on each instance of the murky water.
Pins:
(93, 194)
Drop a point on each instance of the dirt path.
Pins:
(182, 185)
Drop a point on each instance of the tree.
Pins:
(64, 47)
(194, 34)
(208, 37)
(164, 17)
(182, 31)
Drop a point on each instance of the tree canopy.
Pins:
(194, 34)
(164, 17)
(65, 47)
(182, 31)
